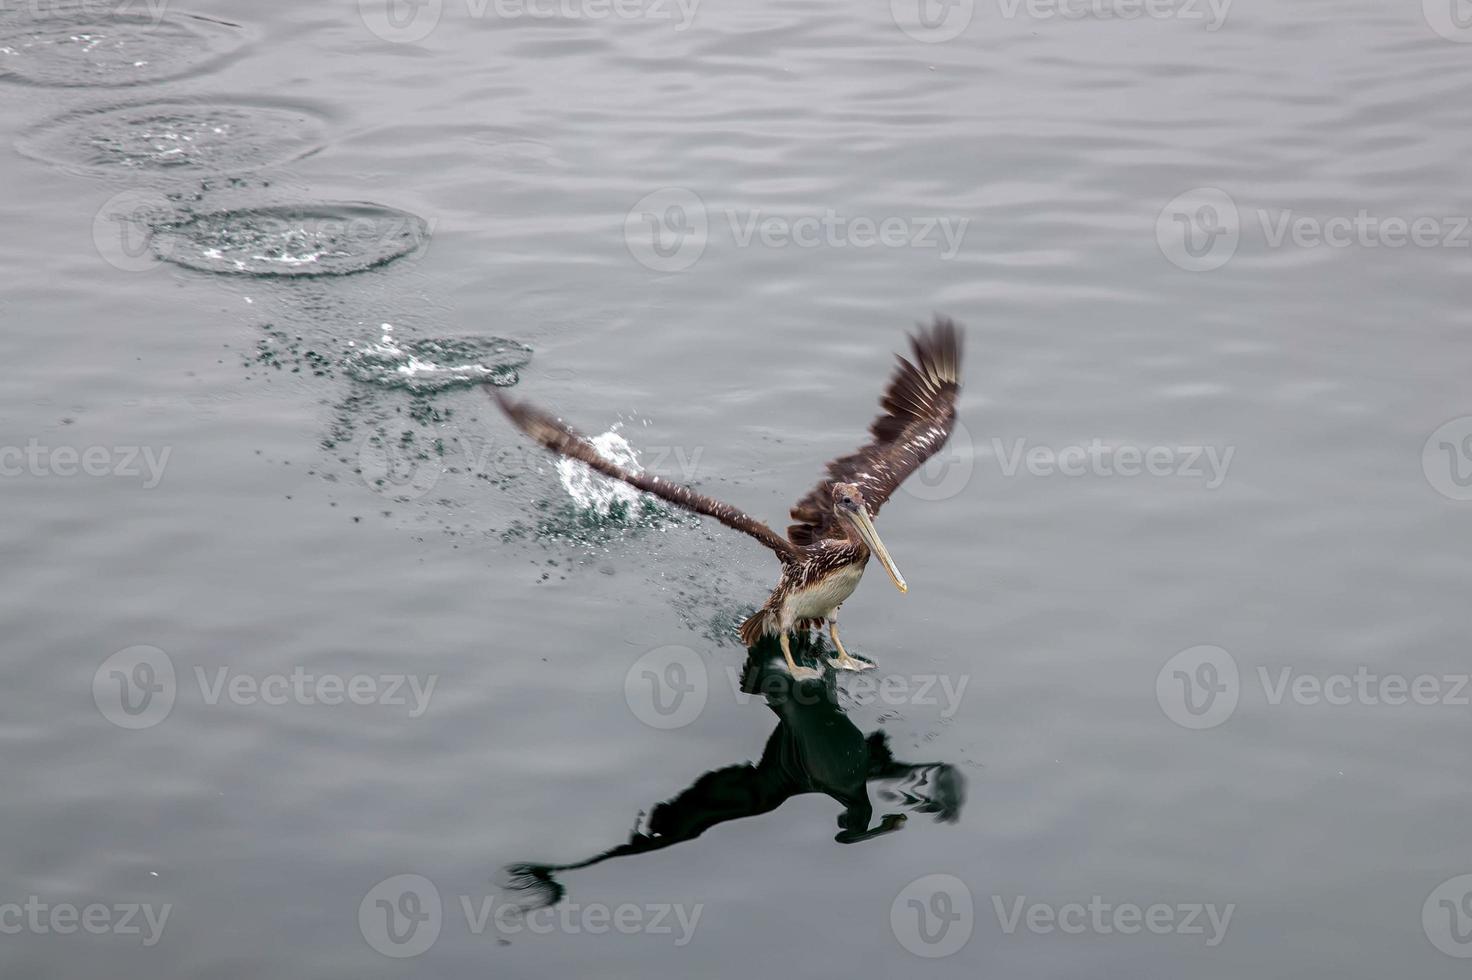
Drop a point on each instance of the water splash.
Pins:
(326, 239)
(596, 492)
(220, 137)
(430, 365)
(72, 45)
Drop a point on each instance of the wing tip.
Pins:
(533, 421)
(937, 349)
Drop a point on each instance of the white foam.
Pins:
(594, 491)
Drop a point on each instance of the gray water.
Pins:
(1185, 615)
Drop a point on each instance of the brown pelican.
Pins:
(825, 551)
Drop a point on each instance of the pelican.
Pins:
(825, 550)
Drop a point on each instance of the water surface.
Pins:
(706, 236)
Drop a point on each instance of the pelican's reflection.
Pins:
(815, 748)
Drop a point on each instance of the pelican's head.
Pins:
(849, 505)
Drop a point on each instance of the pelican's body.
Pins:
(813, 585)
(817, 586)
(824, 553)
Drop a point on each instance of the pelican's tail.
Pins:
(763, 622)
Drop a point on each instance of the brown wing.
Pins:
(919, 411)
(563, 440)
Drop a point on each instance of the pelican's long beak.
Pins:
(871, 538)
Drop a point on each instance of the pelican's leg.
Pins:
(843, 661)
(798, 673)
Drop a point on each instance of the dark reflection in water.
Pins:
(815, 748)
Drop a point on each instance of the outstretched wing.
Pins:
(563, 440)
(919, 412)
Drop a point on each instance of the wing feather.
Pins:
(919, 412)
(567, 442)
